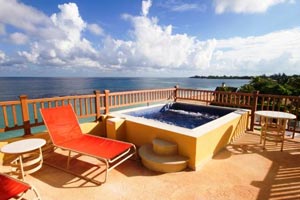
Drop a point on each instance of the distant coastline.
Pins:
(222, 77)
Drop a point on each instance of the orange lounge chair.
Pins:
(14, 188)
(65, 133)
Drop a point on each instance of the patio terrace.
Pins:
(242, 170)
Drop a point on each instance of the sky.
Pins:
(150, 38)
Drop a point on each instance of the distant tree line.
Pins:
(280, 84)
(222, 77)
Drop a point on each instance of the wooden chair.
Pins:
(273, 131)
(294, 126)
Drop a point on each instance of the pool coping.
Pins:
(195, 132)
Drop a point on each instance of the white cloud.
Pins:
(69, 21)
(187, 7)
(18, 38)
(145, 7)
(152, 48)
(155, 47)
(63, 51)
(2, 56)
(271, 53)
(55, 40)
(95, 29)
(180, 6)
(245, 6)
(33, 55)
(158, 47)
(27, 19)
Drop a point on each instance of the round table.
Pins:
(275, 114)
(29, 155)
(273, 131)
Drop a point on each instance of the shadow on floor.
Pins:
(84, 166)
(282, 180)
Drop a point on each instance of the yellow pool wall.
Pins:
(198, 145)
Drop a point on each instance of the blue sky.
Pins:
(149, 38)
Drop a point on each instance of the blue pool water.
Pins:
(183, 115)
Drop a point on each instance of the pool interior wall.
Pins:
(180, 114)
(199, 144)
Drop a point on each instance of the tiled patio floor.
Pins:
(241, 171)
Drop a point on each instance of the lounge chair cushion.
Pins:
(11, 188)
(96, 146)
(63, 123)
(65, 133)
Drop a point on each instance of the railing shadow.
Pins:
(282, 180)
(51, 175)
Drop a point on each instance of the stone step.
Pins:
(163, 147)
(161, 163)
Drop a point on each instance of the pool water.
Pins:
(183, 115)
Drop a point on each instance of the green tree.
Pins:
(293, 84)
(275, 84)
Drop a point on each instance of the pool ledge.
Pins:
(196, 132)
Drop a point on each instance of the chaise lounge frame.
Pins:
(64, 119)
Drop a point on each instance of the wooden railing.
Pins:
(253, 101)
(120, 99)
(279, 103)
(221, 98)
(232, 99)
(10, 120)
(24, 113)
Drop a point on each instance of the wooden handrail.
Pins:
(90, 105)
(121, 99)
(24, 114)
(216, 97)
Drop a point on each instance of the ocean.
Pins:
(39, 87)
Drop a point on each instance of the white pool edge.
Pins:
(196, 132)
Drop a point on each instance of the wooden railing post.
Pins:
(97, 106)
(106, 101)
(25, 114)
(253, 109)
(176, 92)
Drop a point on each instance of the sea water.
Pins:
(40, 87)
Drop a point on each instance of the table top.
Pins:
(275, 114)
(23, 146)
